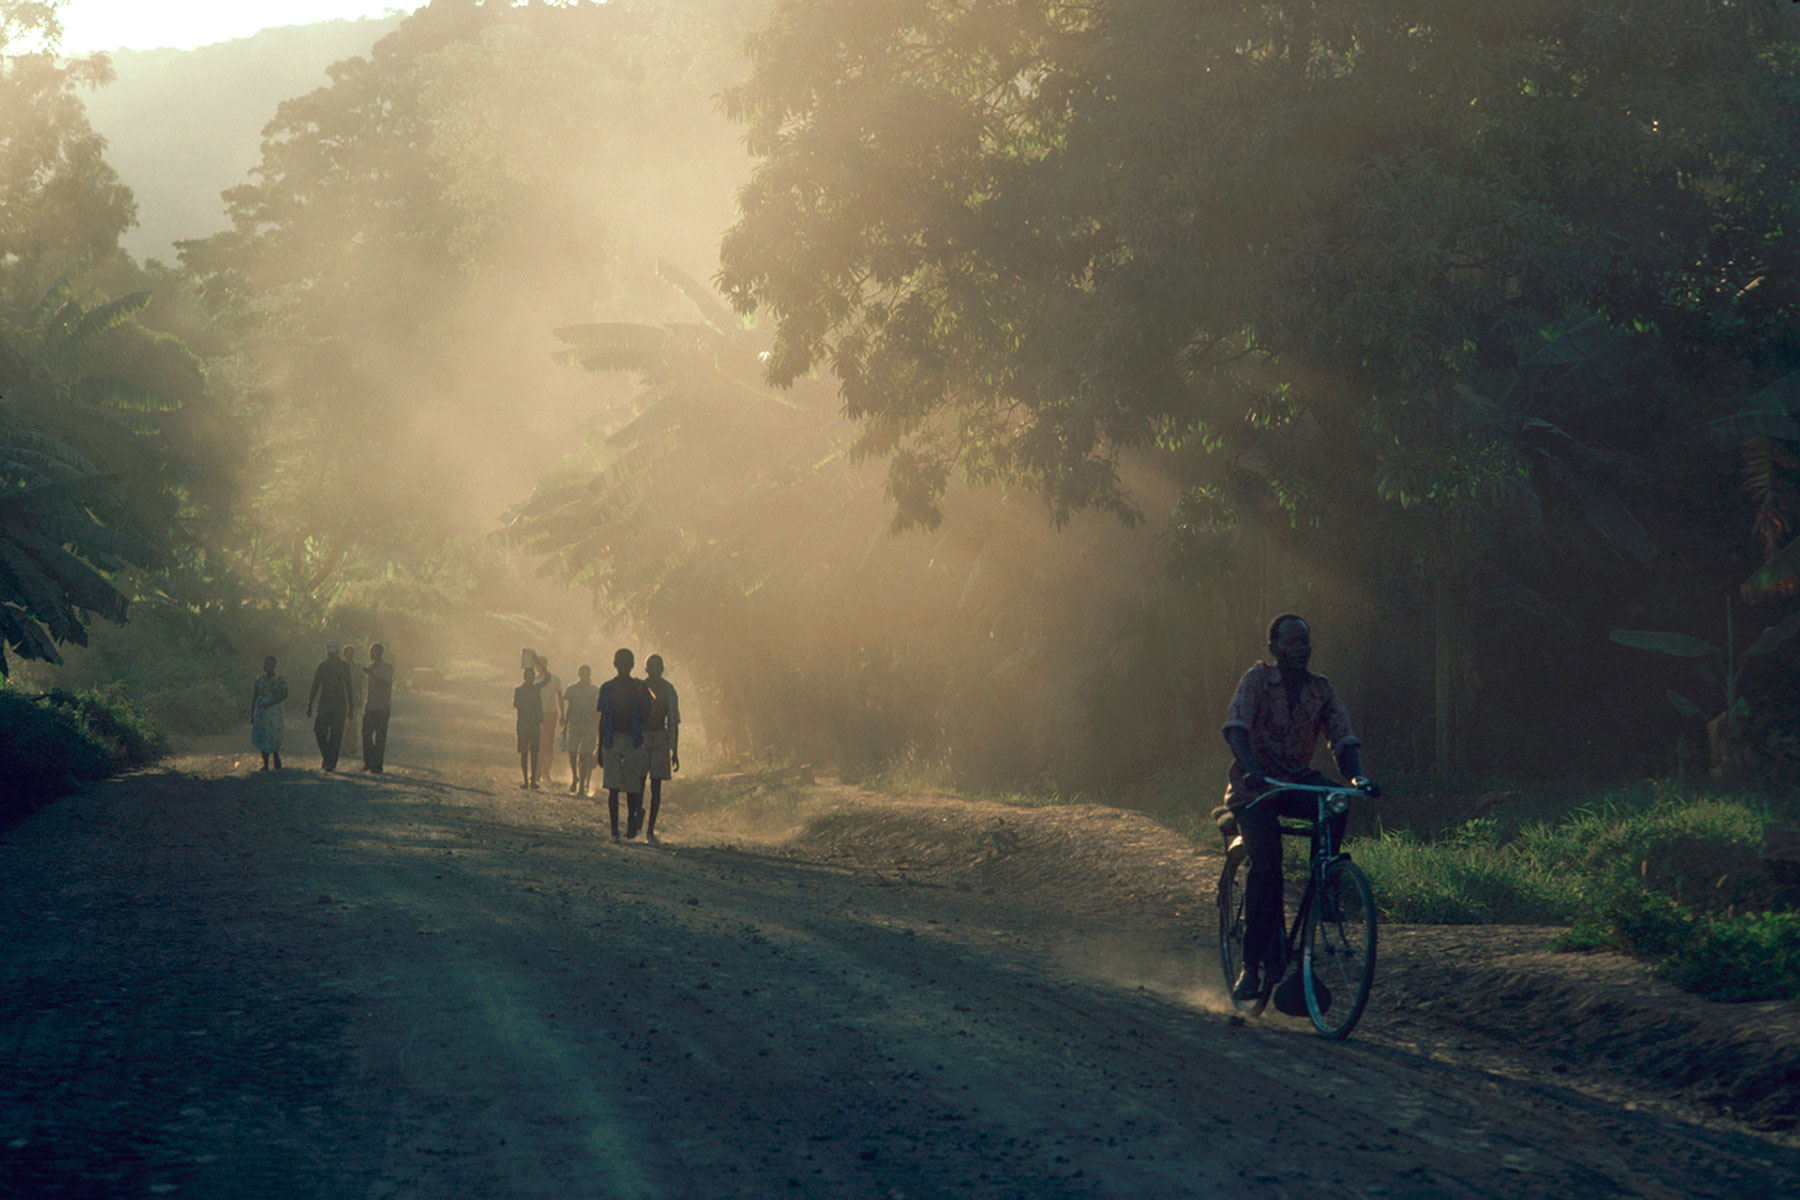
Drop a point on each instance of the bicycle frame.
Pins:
(1333, 800)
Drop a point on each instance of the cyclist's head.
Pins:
(1278, 622)
(1290, 641)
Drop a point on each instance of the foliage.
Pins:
(1725, 663)
(1769, 438)
(1695, 851)
(1755, 956)
(1027, 237)
(112, 721)
(1426, 294)
(98, 435)
(1465, 879)
(412, 229)
(59, 201)
(47, 752)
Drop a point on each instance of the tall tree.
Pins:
(1308, 257)
(74, 483)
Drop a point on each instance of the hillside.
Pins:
(184, 125)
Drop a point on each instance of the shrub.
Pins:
(1700, 851)
(44, 753)
(1755, 956)
(112, 722)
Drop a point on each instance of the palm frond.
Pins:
(97, 320)
(705, 301)
(23, 582)
(82, 585)
(128, 397)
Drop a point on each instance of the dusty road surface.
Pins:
(432, 984)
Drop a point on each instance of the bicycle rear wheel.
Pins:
(1338, 949)
(1231, 928)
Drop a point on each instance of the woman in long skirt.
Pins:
(268, 713)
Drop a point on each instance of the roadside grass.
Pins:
(1668, 873)
(58, 740)
(756, 797)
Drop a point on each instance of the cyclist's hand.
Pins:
(1369, 786)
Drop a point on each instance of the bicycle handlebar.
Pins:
(1324, 790)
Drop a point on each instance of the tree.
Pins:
(72, 507)
(1307, 258)
(413, 230)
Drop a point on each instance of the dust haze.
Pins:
(549, 168)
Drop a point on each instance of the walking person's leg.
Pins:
(612, 810)
(547, 746)
(328, 728)
(377, 738)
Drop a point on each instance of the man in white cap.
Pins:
(332, 695)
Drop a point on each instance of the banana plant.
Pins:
(1725, 664)
(1767, 431)
(55, 546)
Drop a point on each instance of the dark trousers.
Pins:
(1265, 919)
(374, 738)
(328, 728)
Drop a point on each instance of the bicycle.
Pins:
(1334, 926)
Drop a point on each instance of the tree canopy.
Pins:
(1030, 237)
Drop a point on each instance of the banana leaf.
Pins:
(1773, 636)
(119, 394)
(1678, 644)
(1780, 576)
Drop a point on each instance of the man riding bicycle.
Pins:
(1273, 728)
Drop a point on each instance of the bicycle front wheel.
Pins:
(1231, 928)
(1338, 949)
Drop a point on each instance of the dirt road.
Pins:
(432, 984)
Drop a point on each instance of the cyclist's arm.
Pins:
(1349, 764)
(1238, 738)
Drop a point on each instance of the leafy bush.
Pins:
(1699, 851)
(1755, 956)
(112, 722)
(45, 752)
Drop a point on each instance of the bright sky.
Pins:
(90, 25)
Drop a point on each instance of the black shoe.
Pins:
(1248, 986)
(633, 824)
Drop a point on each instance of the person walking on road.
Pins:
(662, 736)
(268, 713)
(347, 652)
(554, 717)
(377, 706)
(623, 706)
(582, 733)
(331, 696)
(528, 699)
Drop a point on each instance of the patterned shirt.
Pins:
(1284, 742)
